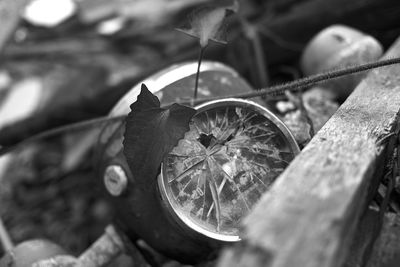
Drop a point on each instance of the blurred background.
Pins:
(67, 61)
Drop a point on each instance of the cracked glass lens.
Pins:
(225, 162)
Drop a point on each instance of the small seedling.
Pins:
(208, 23)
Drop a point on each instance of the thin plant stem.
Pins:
(298, 101)
(306, 115)
(252, 34)
(196, 85)
(260, 60)
(259, 56)
(5, 239)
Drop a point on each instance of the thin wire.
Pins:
(63, 129)
(277, 90)
(300, 84)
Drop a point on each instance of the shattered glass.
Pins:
(228, 158)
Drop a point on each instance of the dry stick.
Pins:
(5, 239)
(105, 249)
(253, 36)
(298, 101)
(306, 116)
(269, 91)
(260, 59)
(391, 175)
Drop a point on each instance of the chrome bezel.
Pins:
(175, 211)
(163, 78)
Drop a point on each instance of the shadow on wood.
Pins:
(310, 215)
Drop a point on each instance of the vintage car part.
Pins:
(232, 153)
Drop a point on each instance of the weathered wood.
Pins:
(367, 232)
(377, 242)
(386, 251)
(308, 217)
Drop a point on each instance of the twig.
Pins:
(104, 250)
(101, 253)
(5, 239)
(252, 34)
(298, 101)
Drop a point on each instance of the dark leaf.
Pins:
(208, 23)
(151, 132)
(145, 101)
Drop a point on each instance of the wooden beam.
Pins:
(367, 232)
(386, 251)
(308, 217)
(377, 242)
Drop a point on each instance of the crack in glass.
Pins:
(226, 161)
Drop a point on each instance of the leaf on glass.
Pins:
(209, 23)
(151, 132)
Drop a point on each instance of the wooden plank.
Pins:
(377, 242)
(386, 251)
(308, 217)
(367, 232)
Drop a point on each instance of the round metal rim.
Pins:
(182, 219)
(161, 79)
